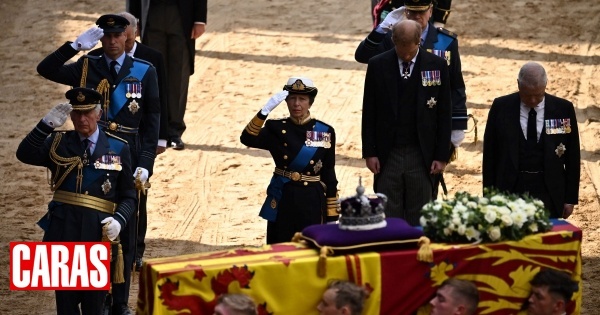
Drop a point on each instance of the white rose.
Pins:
(456, 220)
(484, 201)
(447, 231)
(533, 227)
(503, 210)
(494, 233)
(519, 218)
(423, 221)
(490, 216)
(472, 234)
(437, 207)
(461, 229)
(498, 199)
(472, 205)
(506, 220)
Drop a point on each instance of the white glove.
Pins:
(57, 116)
(114, 228)
(274, 101)
(143, 174)
(457, 137)
(88, 39)
(392, 18)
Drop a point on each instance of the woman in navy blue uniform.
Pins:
(303, 189)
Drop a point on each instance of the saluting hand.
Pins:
(273, 102)
(57, 116)
(392, 18)
(88, 39)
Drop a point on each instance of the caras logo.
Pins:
(59, 266)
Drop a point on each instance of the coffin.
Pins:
(283, 278)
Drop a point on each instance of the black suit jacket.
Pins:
(377, 43)
(143, 148)
(190, 11)
(380, 108)
(501, 149)
(153, 56)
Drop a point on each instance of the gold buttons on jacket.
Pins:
(283, 131)
(285, 144)
(285, 157)
(312, 162)
(305, 183)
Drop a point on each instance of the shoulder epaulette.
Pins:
(142, 60)
(113, 136)
(92, 57)
(447, 32)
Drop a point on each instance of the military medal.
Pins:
(109, 162)
(560, 149)
(128, 94)
(106, 186)
(133, 107)
(431, 102)
(318, 139)
(318, 166)
(431, 78)
(139, 90)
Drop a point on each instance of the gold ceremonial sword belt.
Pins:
(85, 201)
(296, 176)
(110, 125)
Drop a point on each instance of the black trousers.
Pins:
(299, 207)
(406, 183)
(534, 184)
(165, 33)
(68, 302)
(120, 291)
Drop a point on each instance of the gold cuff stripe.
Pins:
(85, 201)
(255, 125)
(332, 211)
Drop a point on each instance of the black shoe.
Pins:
(138, 264)
(121, 310)
(177, 144)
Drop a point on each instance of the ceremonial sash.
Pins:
(443, 42)
(118, 98)
(275, 189)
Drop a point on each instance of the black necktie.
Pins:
(532, 128)
(113, 70)
(86, 151)
(405, 70)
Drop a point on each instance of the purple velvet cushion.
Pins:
(397, 232)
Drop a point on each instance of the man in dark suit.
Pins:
(406, 122)
(91, 182)
(172, 27)
(531, 144)
(435, 40)
(131, 105)
(141, 51)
